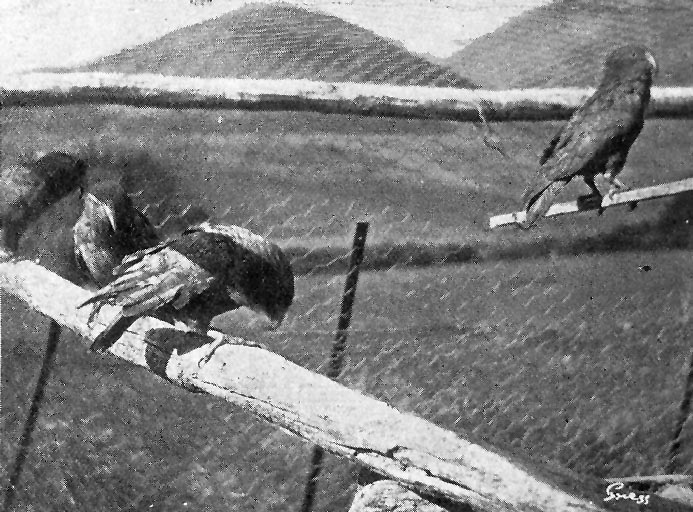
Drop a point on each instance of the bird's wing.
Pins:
(92, 258)
(548, 152)
(254, 271)
(152, 278)
(79, 259)
(140, 233)
(599, 128)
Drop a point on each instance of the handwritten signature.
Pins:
(640, 499)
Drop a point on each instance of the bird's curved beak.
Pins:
(102, 209)
(276, 321)
(653, 63)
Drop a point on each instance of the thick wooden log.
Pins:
(329, 97)
(629, 197)
(420, 455)
(390, 496)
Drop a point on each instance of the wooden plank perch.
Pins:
(419, 455)
(628, 197)
(366, 99)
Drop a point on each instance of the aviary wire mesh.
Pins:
(557, 343)
(570, 342)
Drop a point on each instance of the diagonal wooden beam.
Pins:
(629, 197)
(419, 455)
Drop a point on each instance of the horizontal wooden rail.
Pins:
(329, 97)
(419, 455)
(629, 197)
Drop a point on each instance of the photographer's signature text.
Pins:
(640, 499)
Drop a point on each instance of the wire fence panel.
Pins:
(569, 343)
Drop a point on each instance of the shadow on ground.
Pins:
(672, 230)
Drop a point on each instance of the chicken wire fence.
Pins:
(461, 328)
(568, 343)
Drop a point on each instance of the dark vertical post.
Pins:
(684, 411)
(337, 355)
(30, 423)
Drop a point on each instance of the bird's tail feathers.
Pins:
(112, 333)
(539, 204)
(131, 260)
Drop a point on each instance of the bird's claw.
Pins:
(617, 189)
(221, 339)
(590, 201)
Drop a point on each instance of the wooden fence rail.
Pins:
(345, 98)
(418, 455)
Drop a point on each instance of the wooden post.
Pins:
(30, 424)
(352, 278)
(337, 355)
(629, 197)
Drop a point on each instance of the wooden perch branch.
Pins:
(419, 455)
(628, 197)
(328, 97)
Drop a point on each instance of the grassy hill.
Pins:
(281, 41)
(564, 43)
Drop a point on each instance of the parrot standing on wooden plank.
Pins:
(598, 136)
(109, 229)
(27, 190)
(206, 271)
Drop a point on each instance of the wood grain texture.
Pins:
(328, 97)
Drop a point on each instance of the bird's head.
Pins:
(630, 62)
(276, 298)
(63, 172)
(103, 202)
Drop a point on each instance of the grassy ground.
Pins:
(575, 37)
(552, 343)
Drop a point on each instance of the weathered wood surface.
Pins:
(390, 496)
(618, 199)
(328, 97)
(421, 456)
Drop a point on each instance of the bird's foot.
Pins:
(222, 339)
(617, 188)
(590, 202)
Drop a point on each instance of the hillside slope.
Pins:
(564, 43)
(280, 41)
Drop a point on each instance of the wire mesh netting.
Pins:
(568, 343)
(282, 41)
